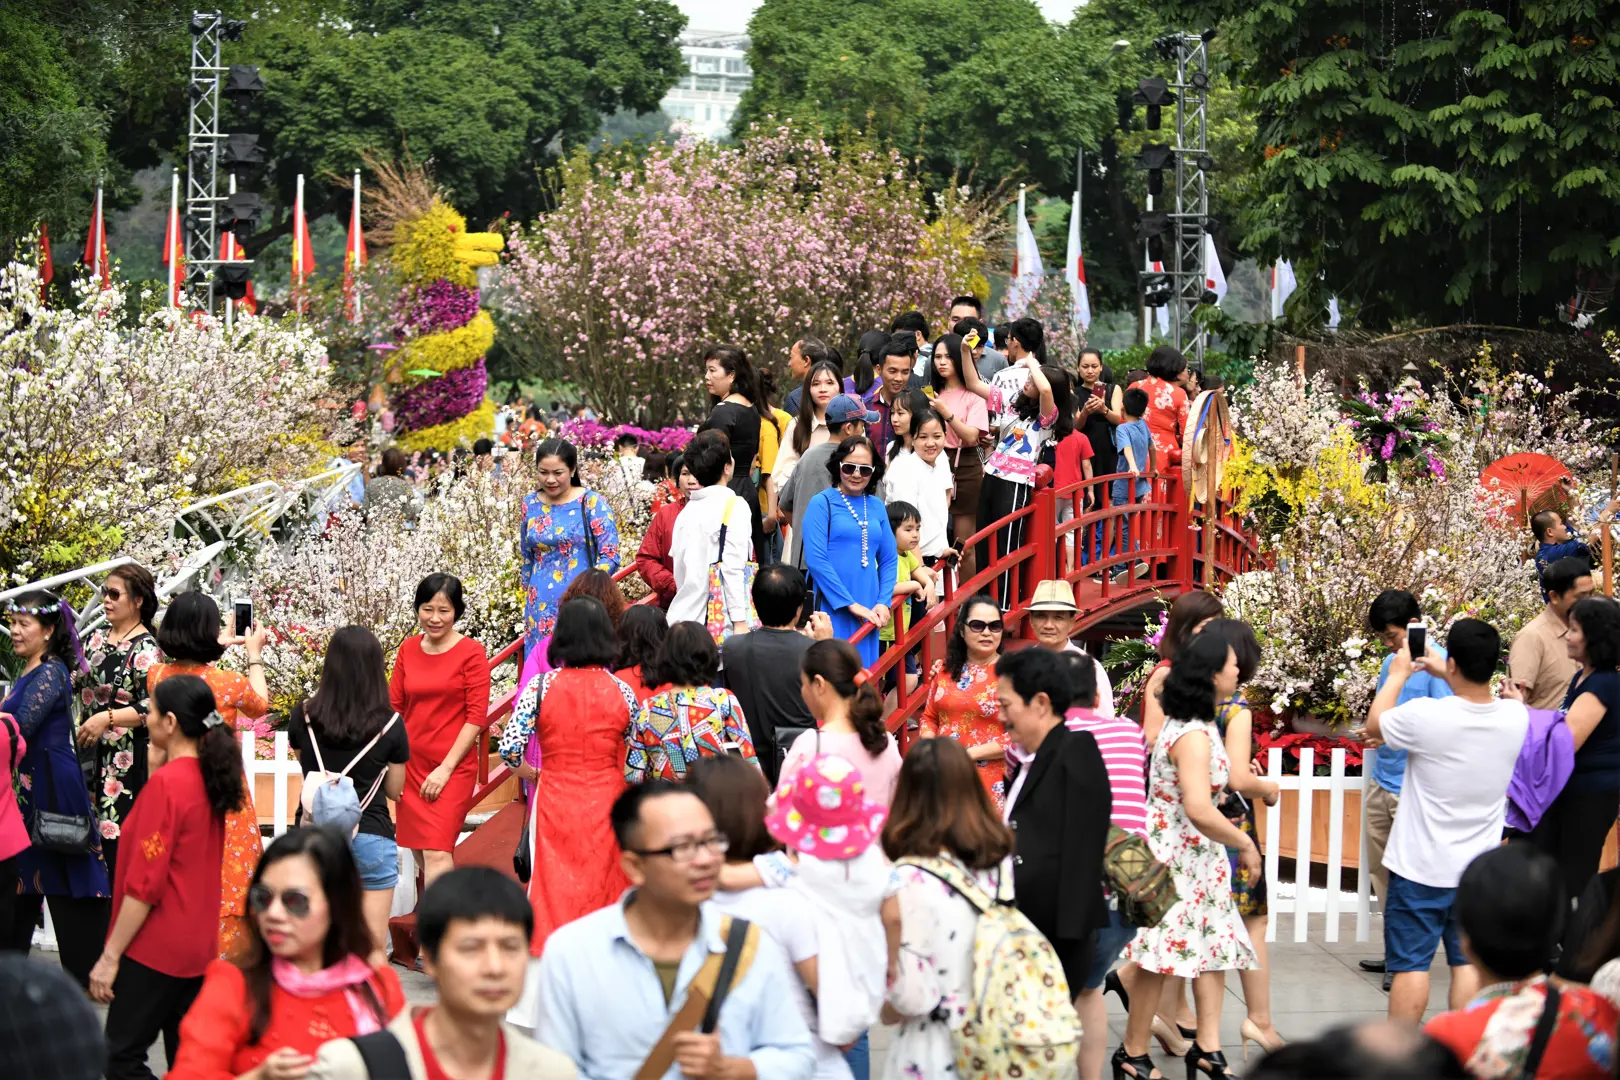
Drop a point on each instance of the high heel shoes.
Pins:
(1170, 1039)
(1186, 1032)
(1203, 1063)
(1249, 1032)
(1113, 985)
(1142, 1068)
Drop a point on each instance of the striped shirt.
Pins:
(1125, 756)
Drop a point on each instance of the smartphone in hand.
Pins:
(1417, 639)
(243, 610)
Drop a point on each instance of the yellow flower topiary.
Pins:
(463, 432)
(448, 351)
(436, 244)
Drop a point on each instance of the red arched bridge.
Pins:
(1172, 546)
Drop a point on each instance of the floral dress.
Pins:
(241, 706)
(555, 552)
(1248, 890)
(675, 727)
(1204, 931)
(965, 709)
(1166, 417)
(933, 986)
(117, 680)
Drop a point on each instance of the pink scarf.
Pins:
(347, 975)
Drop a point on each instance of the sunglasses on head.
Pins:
(853, 468)
(984, 626)
(294, 901)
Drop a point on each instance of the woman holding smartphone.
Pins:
(1101, 410)
(966, 418)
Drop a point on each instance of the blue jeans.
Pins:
(1111, 941)
(859, 1058)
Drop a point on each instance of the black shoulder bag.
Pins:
(1543, 1035)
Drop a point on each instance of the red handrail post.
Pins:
(1186, 542)
(1043, 532)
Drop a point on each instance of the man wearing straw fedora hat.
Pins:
(1051, 615)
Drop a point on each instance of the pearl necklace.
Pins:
(861, 521)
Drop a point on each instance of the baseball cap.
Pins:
(846, 407)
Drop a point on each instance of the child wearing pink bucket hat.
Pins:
(821, 811)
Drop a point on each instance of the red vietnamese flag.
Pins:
(354, 255)
(303, 256)
(174, 257)
(47, 267)
(95, 245)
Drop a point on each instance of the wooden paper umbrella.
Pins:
(1208, 445)
(1534, 482)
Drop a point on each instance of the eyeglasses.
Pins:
(981, 626)
(110, 593)
(684, 851)
(855, 469)
(294, 901)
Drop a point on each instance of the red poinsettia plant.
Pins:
(1292, 742)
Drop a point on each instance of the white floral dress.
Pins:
(936, 968)
(1204, 932)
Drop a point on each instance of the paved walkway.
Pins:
(1314, 987)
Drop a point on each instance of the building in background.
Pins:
(717, 73)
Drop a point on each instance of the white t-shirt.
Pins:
(787, 917)
(1460, 760)
(928, 488)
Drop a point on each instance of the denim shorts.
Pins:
(1416, 919)
(1111, 941)
(378, 860)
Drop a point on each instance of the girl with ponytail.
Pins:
(167, 885)
(849, 718)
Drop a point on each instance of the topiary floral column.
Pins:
(439, 366)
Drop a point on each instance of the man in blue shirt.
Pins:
(611, 982)
(1556, 540)
(1388, 618)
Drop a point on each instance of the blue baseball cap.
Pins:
(846, 407)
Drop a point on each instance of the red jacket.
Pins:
(654, 562)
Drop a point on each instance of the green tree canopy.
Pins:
(1433, 163)
(961, 85)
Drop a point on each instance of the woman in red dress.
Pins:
(641, 631)
(307, 978)
(961, 701)
(581, 712)
(1167, 404)
(440, 687)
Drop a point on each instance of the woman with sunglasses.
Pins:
(849, 549)
(152, 965)
(112, 699)
(961, 702)
(307, 975)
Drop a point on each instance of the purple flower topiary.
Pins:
(441, 400)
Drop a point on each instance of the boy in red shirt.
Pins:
(1074, 454)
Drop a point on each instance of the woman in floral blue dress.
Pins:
(567, 529)
(48, 777)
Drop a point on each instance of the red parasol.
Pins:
(1535, 482)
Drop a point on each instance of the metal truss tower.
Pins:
(1185, 272)
(203, 141)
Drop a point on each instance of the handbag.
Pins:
(715, 613)
(1145, 887)
(705, 994)
(522, 861)
(58, 833)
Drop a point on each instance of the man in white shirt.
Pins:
(1051, 615)
(694, 544)
(1461, 754)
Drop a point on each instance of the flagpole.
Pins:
(174, 239)
(230, 245)
(99, 228)
(297, 253)
(354, 246)
(1147, 261)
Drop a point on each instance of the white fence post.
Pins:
(279, 768)
(1301, 788)
(1364, 861)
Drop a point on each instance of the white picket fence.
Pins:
(1305, 901)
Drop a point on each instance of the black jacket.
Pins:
(1060, 824)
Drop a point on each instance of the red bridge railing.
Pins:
(1172, 547)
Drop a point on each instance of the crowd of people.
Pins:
(721, 815)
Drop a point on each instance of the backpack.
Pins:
(328, 799)
(1021, 1020)
(1145, 887)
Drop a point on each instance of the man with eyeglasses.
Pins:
(628, 986)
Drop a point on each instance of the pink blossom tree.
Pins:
(650, 255)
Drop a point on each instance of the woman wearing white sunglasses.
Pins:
(849, 551)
